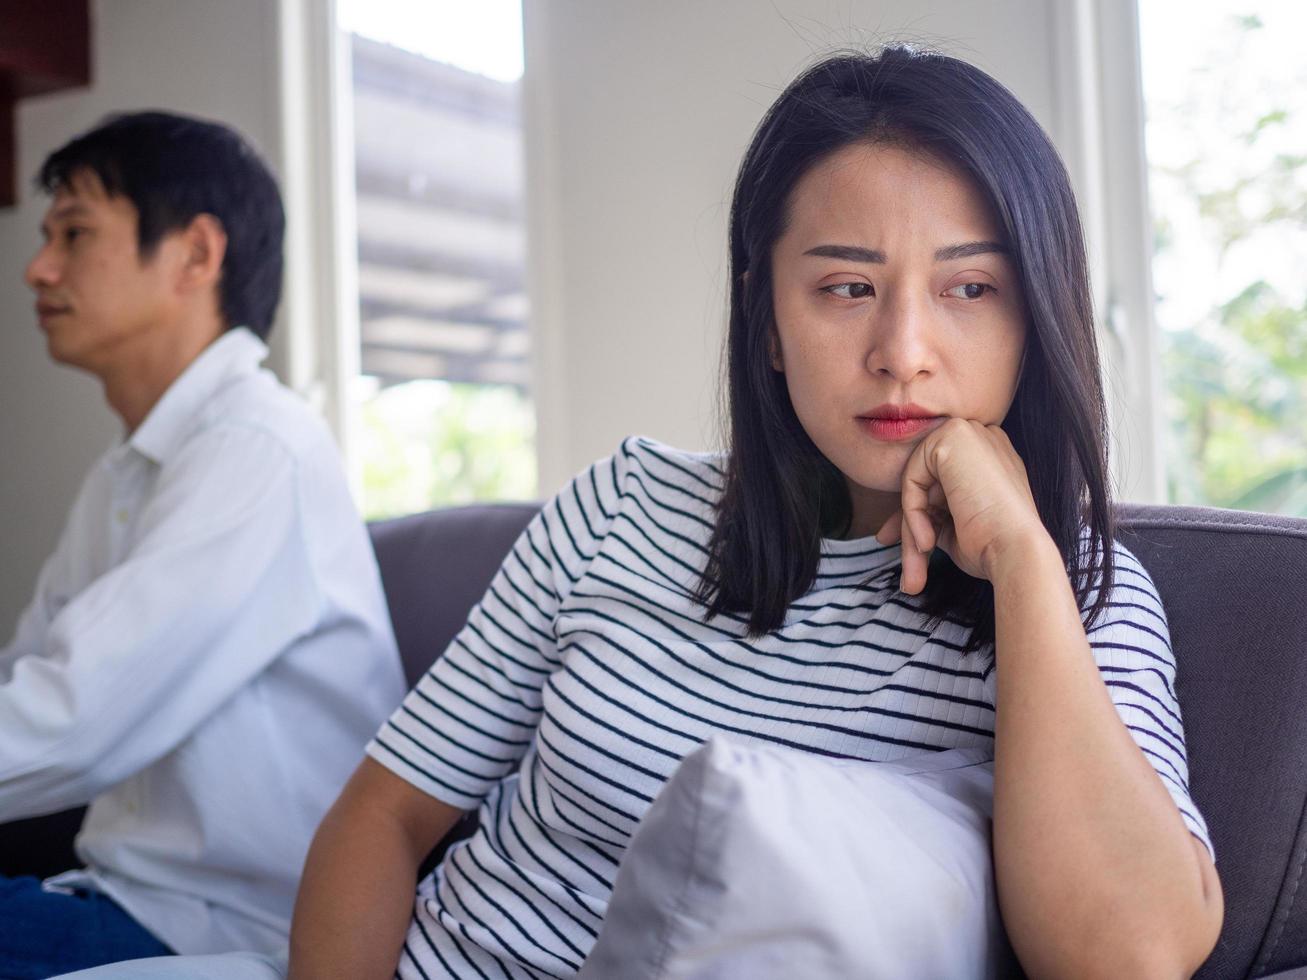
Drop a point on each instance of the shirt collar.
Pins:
(235, 353)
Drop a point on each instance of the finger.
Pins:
(935, 497)
(1012, 461)
(919, 487)
(999, 435)
(947, 539)
(938, 518)
(998, 438)
(890, 531)
(913, 579)
(923, 531)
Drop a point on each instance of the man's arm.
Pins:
(217, 585)
(356, 897)
(34, 622)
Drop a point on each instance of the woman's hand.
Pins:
(964, 490)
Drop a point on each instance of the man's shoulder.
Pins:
(259, 404)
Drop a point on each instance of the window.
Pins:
(1225, 92)
(441, 408)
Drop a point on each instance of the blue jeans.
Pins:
(44, 934)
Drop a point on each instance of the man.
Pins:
(208, 648)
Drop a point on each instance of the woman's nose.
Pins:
(902, 340)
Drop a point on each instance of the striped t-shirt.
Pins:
(587, 672)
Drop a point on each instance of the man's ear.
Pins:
(204, 243)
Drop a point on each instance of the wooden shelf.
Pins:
(44, 47)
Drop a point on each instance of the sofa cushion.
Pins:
(1233, 587)
(436, 566)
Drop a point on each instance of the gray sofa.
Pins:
(1235, 590)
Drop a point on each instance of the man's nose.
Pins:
(43, 270)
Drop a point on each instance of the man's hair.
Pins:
(781, 494)
(173, 168)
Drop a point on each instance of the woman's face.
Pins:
(897, 307)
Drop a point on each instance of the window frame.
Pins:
(318, 344)
(1100, 133)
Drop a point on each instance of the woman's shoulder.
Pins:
(1127, 569)
(641, 465)
(1131, 615)
(702, 471)
(1126, 563)
(650, 481)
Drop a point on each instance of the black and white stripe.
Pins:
(587, 673)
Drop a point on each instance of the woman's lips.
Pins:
(896, 430)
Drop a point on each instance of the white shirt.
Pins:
(206, 654)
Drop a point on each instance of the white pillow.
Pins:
(771, 864)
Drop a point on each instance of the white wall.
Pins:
(637, 116)
(212, 59)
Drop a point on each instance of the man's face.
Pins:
(96, 299)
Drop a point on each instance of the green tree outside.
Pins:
(1228, 164)
(436, 443)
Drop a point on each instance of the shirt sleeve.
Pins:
(217, 584)
(1132, 647)
(34, 623)
(470, 719)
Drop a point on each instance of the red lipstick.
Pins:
(894, 423)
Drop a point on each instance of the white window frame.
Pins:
(318, 345)
(1100, 112)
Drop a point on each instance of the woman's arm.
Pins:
(1097, 874)
(356, 897)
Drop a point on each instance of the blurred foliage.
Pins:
(434, 443)
(1237, 377)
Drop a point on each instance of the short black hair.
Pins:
(173, 168)
(781, 494)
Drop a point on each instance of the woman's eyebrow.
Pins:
(856, 253)
(849, 253)
(968, 249)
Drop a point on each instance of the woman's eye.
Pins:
(969, 290)
(72, 234)
(850, 290)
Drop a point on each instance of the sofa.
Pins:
(1235, 589)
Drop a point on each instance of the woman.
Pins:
(910, 528)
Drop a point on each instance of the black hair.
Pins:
(781, 494)
(173, 168)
